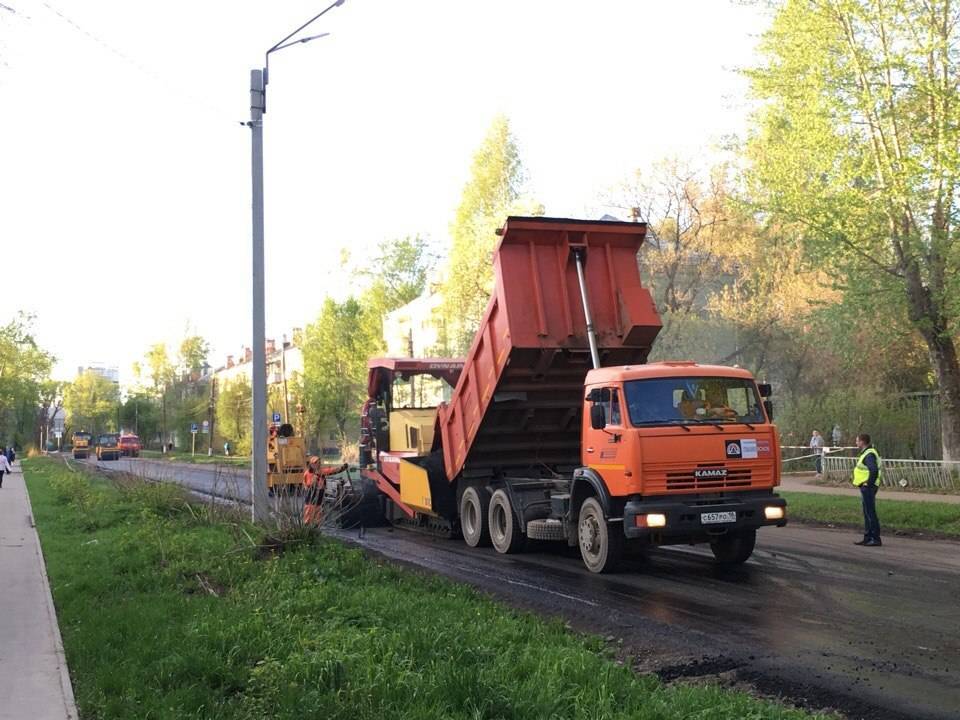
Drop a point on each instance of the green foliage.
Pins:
(234, 413)
(140, 413)
(164, 615)
(397, 274)
(158, 368)
(895, 514)
(193, 353)
(91, 402)
(335, 352)
(75, 490)
(494, 191)
(856, 149)
(24, 367)
(890, 420)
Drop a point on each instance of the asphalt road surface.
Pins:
(873, 632)
(226, 481)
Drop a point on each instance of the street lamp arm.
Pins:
(316, 17)
(298, 42)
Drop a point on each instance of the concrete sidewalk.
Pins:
(805, 483)
(34, 682)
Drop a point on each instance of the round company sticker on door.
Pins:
(745, 449)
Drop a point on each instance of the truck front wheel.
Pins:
(474, 508)
(734, 549)
(505, 533)
(601, 544)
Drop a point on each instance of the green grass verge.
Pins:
(198, 459)
(169, 614)
(942, 518)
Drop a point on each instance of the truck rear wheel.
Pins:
(474, 509)
(505, 533)
(734, 549)
(601, 543)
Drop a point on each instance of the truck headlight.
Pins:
(773, 512)
(651, 520)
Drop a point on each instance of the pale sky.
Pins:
(125, 174)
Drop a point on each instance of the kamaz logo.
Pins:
(710, 473)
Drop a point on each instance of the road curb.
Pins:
(66, 686)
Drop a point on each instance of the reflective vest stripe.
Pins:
(861, 473)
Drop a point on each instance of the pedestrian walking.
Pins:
(4, 467)
(816, 444)
(11, 454)
(836, 436)
(867, 473)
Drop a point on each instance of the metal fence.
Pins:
(933, 474)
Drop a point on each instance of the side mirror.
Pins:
(598, 418)
(598, 395)
(768, 406)
(766, 389)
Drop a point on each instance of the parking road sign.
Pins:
(193, 428)
(276, 418)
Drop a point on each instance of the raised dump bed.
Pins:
(517, 406)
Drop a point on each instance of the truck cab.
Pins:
(679, 453)
(130, 445)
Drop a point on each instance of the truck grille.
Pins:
(688, 480)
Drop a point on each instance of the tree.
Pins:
(494, 191)
(24, 366)
(193, 354)
(234, 408)
(160, 373)
(397, 274)
(91, 402)
(140, 414)
(335, 352)
(687, 257)
(50, 394)
(857, 148)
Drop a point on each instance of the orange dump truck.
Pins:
(554, 427)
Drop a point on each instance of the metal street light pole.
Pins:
(259, 495)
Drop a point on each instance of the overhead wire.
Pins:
(217, 113)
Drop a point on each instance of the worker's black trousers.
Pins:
(871, 523)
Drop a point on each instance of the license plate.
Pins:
(718, 517)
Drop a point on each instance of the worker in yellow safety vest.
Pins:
(866, 476)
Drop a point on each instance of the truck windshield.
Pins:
(681, 400)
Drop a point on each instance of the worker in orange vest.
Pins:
(315, 482)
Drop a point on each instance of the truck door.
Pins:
(603, 450)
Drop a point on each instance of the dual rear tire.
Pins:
(489, 520)
(474, 508)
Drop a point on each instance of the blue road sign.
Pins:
(276, 418)
(193, 427)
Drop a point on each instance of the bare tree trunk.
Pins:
(929, 319)
(943, 358)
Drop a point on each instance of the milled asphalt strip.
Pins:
(34, 679)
